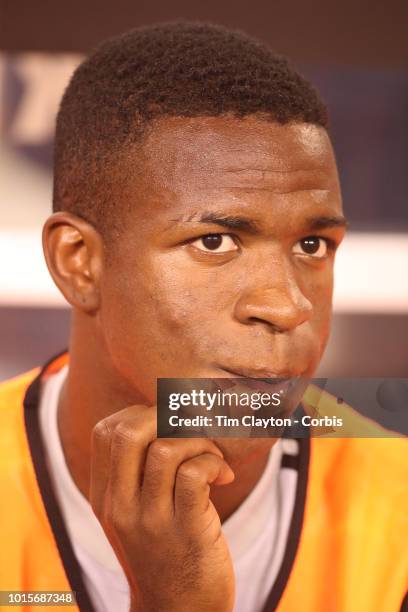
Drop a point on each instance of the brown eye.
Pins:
(216, 243)
(313, 246)
(212, 241)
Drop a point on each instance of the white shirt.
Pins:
(256, 533)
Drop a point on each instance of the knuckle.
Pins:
(127, 432)
(190, 474)
(102, 430)
(162, 450)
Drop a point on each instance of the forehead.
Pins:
(251, 147)
(185, 164)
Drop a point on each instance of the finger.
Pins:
(193, 480)
(101, 446)
(100, 461)
(164, 457)
(130, 440)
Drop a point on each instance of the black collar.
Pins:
(55, 518)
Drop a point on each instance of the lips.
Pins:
(263, 380)
(261, 374)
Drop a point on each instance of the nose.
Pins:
(280, 304)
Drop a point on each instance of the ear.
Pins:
(73, 251)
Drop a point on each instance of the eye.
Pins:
(215, 243)
(311, 246)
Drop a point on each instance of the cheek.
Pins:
(320, 294)
(156, 318)
(189, 306)
(185, 296)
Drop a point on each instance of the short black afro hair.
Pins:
(174, 69)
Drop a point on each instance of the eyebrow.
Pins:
(231, 222)
(252, 227)
(324, 222)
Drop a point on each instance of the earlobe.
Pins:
(73, 251)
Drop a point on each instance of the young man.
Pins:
(197, 212)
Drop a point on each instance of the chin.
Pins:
(243, 450)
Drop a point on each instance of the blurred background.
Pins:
(357, 56)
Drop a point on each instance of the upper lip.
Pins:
(260, 373)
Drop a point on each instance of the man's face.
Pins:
(225, 263)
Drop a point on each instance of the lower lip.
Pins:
(271, 385)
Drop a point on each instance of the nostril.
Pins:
(272, 326)
(280, 310)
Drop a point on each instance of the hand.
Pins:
(151, 497)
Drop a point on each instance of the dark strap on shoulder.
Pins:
(55, 518)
